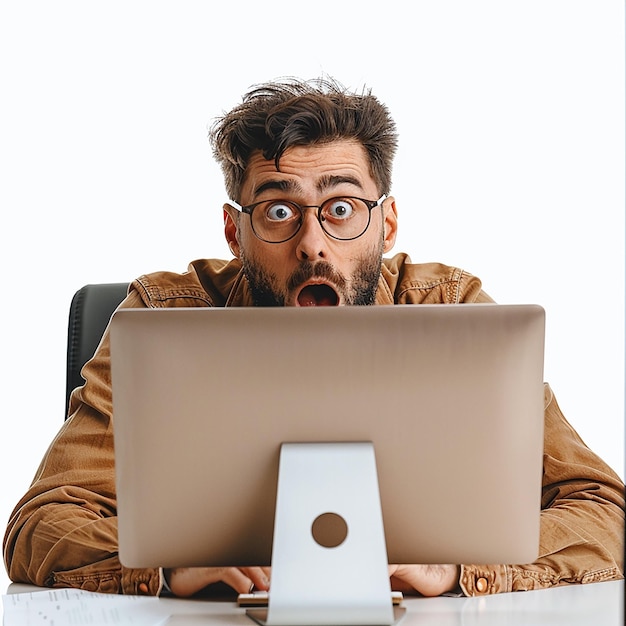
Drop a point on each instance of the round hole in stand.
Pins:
(329, 530)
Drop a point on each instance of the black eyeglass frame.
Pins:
(370, 204)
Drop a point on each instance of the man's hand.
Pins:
(186, 581)
(428, 580)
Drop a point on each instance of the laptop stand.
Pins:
(329, 557)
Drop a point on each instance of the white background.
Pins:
(511, 165)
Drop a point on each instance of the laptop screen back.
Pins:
(451, 396)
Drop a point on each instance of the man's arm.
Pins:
(64, 530)
(582, 526)
(582, 519)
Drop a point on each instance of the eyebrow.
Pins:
(325, 182)
(280, 185)
(334, 180)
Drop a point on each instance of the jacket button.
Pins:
(481, 585)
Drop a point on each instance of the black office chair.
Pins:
(90, 312)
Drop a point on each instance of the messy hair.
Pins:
(275, 116)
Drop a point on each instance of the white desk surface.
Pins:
(597, 604)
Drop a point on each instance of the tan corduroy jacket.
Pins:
(63, 532)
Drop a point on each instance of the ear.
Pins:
(231, 229)
(390, 223)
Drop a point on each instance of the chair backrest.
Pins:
(90, 312)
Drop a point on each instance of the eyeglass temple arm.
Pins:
(235, 205)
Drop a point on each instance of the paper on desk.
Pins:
(73, 607)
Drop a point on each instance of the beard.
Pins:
(359, 289)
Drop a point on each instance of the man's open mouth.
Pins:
(318, 295)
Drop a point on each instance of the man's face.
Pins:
(311, 268)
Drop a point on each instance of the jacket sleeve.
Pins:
(63, 532)
(582, 519)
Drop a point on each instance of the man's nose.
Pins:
(311, 239)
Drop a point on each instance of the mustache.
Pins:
(322, 269)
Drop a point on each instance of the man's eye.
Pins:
(339, 210)
(279, 212)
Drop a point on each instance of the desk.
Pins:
(597, 604)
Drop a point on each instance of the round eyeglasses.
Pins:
(343, 218)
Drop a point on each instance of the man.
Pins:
(308, 169)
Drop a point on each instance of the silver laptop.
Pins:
(449, 396)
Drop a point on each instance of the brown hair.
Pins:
(274, 116)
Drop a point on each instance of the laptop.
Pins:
(449, 397)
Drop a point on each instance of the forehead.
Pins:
(312, 166)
